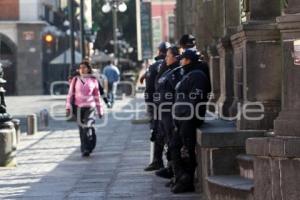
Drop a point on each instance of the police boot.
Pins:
(189, 164)
(165, 172)
(155, 165)
(177, 170)
(157, 160)
(183, 184)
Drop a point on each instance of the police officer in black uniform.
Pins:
(191, 92)
(188, 41)
(165, 90)
(151, 77)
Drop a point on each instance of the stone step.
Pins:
(230, 187)
(246, 165)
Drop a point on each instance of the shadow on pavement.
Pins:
(51, 166)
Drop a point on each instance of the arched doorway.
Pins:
(8, 59)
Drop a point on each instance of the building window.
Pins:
(47, 14)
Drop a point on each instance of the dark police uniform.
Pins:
(150, 79)
(165, 90)
(192, 89)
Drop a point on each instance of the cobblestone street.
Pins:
(50, 165)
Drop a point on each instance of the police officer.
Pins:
(165, 90)
(188, 41)
(191, 97)
(151, 76)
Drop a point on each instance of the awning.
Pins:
(65, 58)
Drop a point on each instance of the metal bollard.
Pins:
(31, 124)
(43, 119)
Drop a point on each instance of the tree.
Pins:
(102, 24)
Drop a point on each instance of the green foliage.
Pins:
(103, 24)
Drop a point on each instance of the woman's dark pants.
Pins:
(86, 121)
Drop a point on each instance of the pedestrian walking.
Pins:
(83, 101)
(112, 74)
(101, 83)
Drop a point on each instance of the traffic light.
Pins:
(49, 38)
(49, 43)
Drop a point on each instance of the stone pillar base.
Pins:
(288, 123)
(276, 167)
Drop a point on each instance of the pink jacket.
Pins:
(86, 94)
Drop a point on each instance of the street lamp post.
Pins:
(72, 38)
(82, 32)
(115, 31)
(114, 6)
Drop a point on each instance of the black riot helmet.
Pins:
(187, 41)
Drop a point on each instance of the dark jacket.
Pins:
(193, 89)
(166, 84)
(150, 78)
(203, 65)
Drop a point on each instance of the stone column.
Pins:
(214, 70)
(217, 27)
(277, 159)
(208, 23)
(257, 68)
(226, 77)
(200, 22)
(231, 20)
(238, 57)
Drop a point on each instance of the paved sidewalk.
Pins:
(50, 166)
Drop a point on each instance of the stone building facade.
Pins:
(21, 27)
(250, 46)
(162, 14)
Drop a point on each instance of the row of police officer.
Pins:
(177, 88)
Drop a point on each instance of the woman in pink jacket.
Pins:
(83, 101)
